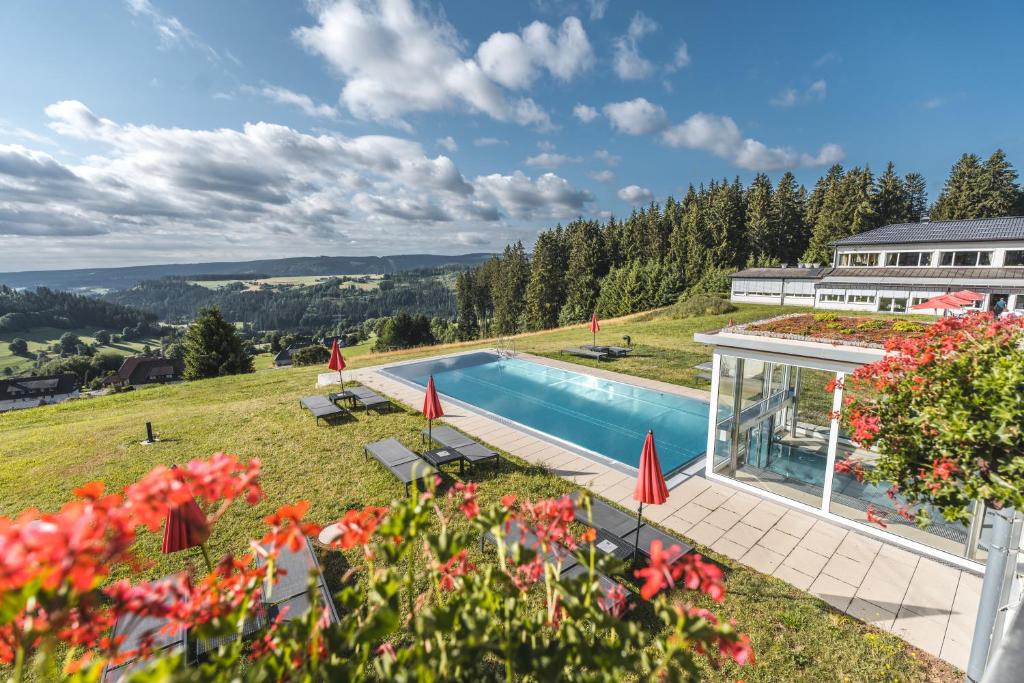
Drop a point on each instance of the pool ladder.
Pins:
(505, 347)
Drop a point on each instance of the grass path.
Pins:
(46, 452)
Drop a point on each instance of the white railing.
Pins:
(505, 347)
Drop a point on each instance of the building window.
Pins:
(859, 259)
(833, 298)
(892, 304)
(908, 259)
(967, 259)
(860, 299)
(1014, 257)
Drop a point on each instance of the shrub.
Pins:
(907, 326)
(701, 304)
(18, 346)
(316, 354)
(413, 608)
(213, 348)
(826, 317)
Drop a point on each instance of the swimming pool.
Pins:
(593, 414)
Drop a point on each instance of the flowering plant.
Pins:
(413, 606)
(945, 412)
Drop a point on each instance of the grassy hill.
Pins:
(41, 338)
(46, 452)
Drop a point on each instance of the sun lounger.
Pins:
(133, 629)
(616, 351)
(365, 397)
(623, 525)
(406, 465)
(473, 452)
(585, 353)
(322, 408)
(290, 594)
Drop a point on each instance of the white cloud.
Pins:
(9, 130)
(790, 97)
(303, 102)
(597, 9)
(634, 194)
(187, 193)
(828, 57)
(515, 61)
(626, 61)
(607, 157)
(604, 176)
(933, 103)
(722, 137)
(489, 142)
(681, 59)
(584, 113)
(551, 160)
(395, 61)
(172, 32)
(448, 142)
(636, 117)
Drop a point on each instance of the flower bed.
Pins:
(829, 327)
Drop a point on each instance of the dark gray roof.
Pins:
(972, 230)
(937, 273)
(776, 273)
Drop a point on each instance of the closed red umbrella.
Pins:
(650, 484)
(431, 406)
(186, 527)
(595, 326)
(337, 362)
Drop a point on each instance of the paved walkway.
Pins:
(927, 603)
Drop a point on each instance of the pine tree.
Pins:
(817, 197)
(725, 225)
(961, 195)
(509, 291)
(1000, 194)
(788, 217)
(213, 348)
(587, 264)
(917, 196)
(545, 292)
(892, 203)
(696, 237)
(611, 302)
(467, 327)
(762, 232)
(675, 258)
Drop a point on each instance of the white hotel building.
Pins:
(896, 266)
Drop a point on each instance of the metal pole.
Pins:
(1006, 590)
(149, 432)
(636, 541)
(974, 530)
(991, 587)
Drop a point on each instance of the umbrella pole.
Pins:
(636, 541)
(430, 432)
(342, 380)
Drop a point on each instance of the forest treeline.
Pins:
(693, 243)
(21, 310)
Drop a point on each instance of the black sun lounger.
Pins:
(366, 398)
(623, 525)
(406, 465)
(617, 351)
(290, 594)
(585, 353)
(322, 408)
(472, 451)
(133, 629)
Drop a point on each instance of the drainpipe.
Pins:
(991, 590)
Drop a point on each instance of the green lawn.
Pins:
(46, 452)
(41, 338)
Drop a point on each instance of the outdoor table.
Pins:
(329, 534)
(610, 544)
(344, 396)
(443, 456)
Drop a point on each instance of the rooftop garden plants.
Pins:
(831, 327)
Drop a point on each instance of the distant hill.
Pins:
(93, 279)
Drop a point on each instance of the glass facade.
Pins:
(775, 431)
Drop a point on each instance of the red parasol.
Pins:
(337, 362)
(186, 527)
(595, 326)
(968, 295)
(431, 406)
(650, 483)
(942, 302)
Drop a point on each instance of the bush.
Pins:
(316, 354)
(213, 348)
(18, 346)
(701, 304)
(713, 281)
(413, 608)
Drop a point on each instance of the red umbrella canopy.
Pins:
(185, 527)
(650, 483)
(941, 302)
(431, 403)
(968, 295)
(337, 361)
(595, 327)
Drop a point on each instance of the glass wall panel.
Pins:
(725, 407)
(779, 442)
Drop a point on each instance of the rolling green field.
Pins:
(40, 338)
(291, 281)
(46, 452)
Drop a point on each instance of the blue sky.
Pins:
(161, 131)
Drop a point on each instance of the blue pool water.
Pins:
(605, 417)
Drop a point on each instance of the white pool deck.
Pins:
(929, 604)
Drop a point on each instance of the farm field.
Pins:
(40, 338)
(292, 281)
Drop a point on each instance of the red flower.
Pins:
(468, 505)
(614, 602)
(507, 501)
(874, 518)
(288, 528)
(357, 526)
(658, 574)
(456, 566)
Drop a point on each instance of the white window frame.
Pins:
(977, 257)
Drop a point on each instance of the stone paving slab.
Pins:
(927, 603)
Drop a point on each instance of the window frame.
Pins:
(954, 253)
(846, 259)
